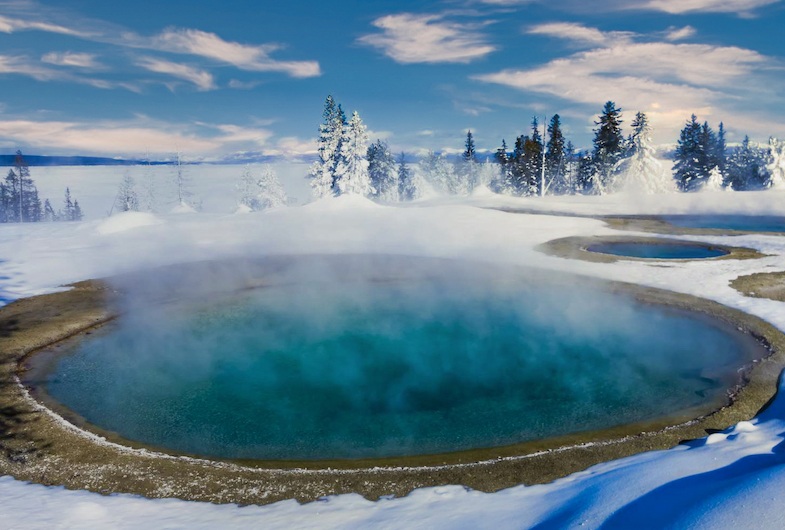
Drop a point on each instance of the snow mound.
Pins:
(343, 202)
(242, 209)
(482, 191)
(126, 221)
(183, 208)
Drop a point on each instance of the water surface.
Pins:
(636, 249)
(747, 223)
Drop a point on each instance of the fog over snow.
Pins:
(734, 479)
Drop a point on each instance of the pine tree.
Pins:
(688, 169)
(719, 156)
(351, 174)
(182, 187)
(408, 189)
(745, 168)
(555, 156)
(505, 183)
(531, 161)
(127, 200)
(440, 173)
(6, 203)
(77, 212)
(640, 171)
(322, 173)
(49, 212)
(609, 147)
(775, 163)
(271, 193)
(383, 172)
(247, 190)
(68, 213)
(470, 153)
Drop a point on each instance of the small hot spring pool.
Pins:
(657, 250)
(747, 223)
(376, 363)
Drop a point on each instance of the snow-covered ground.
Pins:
(734, 479)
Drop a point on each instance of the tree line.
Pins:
(536, 166)
(20, 203)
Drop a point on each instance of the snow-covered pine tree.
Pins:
(77, 212)
(505, 184)
(531, 161)
(555, 157)
(5, 203)
(331, 131)
(351, 174)
(715, 182)
(641, 172)
(609, 147)
(745, 168)
(127, 200)
(49, 212)
(149, 196)
(467, 172)
(470, 153)
(408, 190)
(183, 195)
(775, 163)
(271, 193)
(247, 189)
(383, 172)
(687, 167)
(440, 173)
(68, 213)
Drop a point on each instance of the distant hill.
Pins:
(37, 160)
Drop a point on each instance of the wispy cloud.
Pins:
(675, 34)
(12, 25)
(77, 60)
(201, 78)
(254, 58)
(411, 38)
(675, 7)
(133, 137)
(580, 34)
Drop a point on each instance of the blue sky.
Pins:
(209, 78)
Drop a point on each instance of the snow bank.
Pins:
(121, 222)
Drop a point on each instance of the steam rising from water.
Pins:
(358, 356)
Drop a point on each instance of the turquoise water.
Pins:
(749, 223)
(658, 250)
(372, 368)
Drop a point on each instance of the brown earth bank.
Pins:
(769, 285)
(37, 445)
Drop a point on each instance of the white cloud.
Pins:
(706, 6)
(675, 34)
(410, 38)
(667, 80)
(201, 78)
(78, 60)
(254, 58)
(579, 33)
(11, 25)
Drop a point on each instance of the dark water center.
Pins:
(381, 364)
(650, 250)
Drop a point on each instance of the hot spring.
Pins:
(658, 250)
(747, 223)
(354, 357)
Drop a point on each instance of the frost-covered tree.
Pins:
(641, 171)
(271, 193)
(182, 187)
(71, 210)
(488, 173)
(408, 188)
(148, 200)
(49, 212)
(351, 173)
(247, 189)
(383, 172)
(331, 131)
(127, 200)
(555, 157)
(775, 163)
(439, 173)
(609, 147)
(504, 184)
(745, 168)
(715, 182)
(23, 204)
